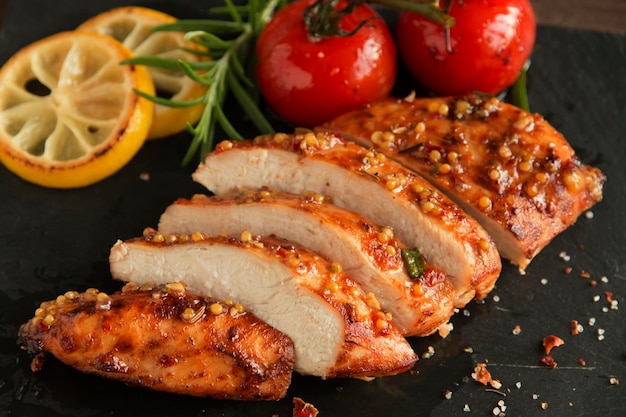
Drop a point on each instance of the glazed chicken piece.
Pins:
(366, 182)
(509, 169)
(369, 253)
(165, 338)
(336, 329)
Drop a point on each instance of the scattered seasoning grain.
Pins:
(548, 361)
(592, 321)
(496, 299)
(483, 376)
(544, 406)
(613, 381)
(600, 334)
(575, 327)
(544, 281)
(589, 214)
(596, 298)
(447, 394)
(466, 408)
(563, 255)
(144, 176)
(518, 385)
(517, 330)
(430, 351)
(585, 274)
(445, 329)
(567, 270)
(550, 342)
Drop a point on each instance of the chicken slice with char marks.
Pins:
(369, 253)
(336, 333)
(164, 338)
(367, 182)
(508, 168)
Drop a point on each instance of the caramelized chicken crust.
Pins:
(165, 338)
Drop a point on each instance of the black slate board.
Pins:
(52, 241)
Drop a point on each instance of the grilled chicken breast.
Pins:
(164, 338)
(509, 169)
(370, 254)
(367, 182)
(337, 331)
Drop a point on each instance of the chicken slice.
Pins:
(367, 182)
(164, 338)
(334, 330)
(509, 169)
(369, 253)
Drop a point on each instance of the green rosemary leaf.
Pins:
(234, 12)
(218, 27)
(240, 71)
(153, 61)
(202, 78)
(207, 40)
(242, 10)
(248, 105)
(168, 102)
(225, 124)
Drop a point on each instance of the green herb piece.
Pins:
(414, 262)
(228, 48)
(519, 92)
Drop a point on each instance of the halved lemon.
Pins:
(132, 26)
(68, 113)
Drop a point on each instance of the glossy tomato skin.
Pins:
(491, 41)
(310, 81)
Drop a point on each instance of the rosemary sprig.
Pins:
(226, 46)
(227, 68)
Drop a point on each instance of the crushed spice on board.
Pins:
(552, 341)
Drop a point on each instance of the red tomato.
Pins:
(310, 81)
(490, 43)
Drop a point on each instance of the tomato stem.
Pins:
(428, 9)
(323, 17)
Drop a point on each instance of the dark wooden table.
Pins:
(598, 15)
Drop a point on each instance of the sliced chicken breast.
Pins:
(367, 182)
(337, 331)
(164, 338)
(369, 253)
(509, 169)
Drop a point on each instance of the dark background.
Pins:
(52, 241)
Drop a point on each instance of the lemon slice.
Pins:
(132, 26)
(68, 113)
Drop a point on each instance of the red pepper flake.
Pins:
(593, 283)
(482, 375)
(303, 409)
(567, 270)
(609, 296)
(106, 326)
(582, 362)
(550, 342)
(548, 361)
(613, 381)
(585, 274)
(575, 327)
